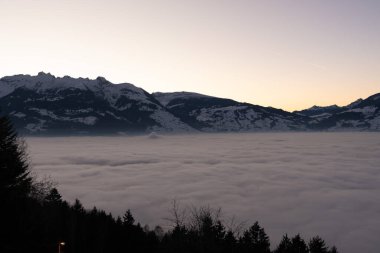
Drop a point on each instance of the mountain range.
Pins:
(49, 105)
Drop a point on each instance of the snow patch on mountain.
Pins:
(375, 123)
(36, 127)
(113, 115)
(322, 115)
(18, 114)
(367, 110)
(168, 122)
(166, 98)
(78, 111)
(238, 118)
(317, 108)
(91, 120)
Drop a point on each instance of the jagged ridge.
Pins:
(45, 104)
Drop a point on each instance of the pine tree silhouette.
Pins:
(317, 245)
(53, 196)
(298, 245)
(284, 246)
(15, 188)
(128, 219)
(14, 168)
(255, 240)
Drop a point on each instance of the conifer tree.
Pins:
(317, 245)
(15, 188)
(298, 245)
(284, 245)
(78, 207)
(255, 240)
(54, 196)
(128, 219)
(15, 179)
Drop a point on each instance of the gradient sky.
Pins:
(285, 54)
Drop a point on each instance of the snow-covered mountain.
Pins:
(45, 104)
(319, 110)
(212, 114)
(361, 115)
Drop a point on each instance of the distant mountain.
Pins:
(361, 115)
(49, 105)
(44, 104)
(212, 114)
(319, 110)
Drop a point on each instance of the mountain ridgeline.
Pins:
(49, 105)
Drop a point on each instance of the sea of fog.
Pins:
(309, 183)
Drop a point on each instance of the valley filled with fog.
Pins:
(325, 184)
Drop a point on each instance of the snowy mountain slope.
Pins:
(319, 110)
(166, 98)
(46, 104)
(360, 115)
(212, 114)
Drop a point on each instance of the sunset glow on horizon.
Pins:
(285, 54)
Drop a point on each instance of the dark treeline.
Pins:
(34, 218)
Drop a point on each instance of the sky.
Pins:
(289, 54)
(324, 184)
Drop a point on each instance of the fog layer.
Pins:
(309, 183)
